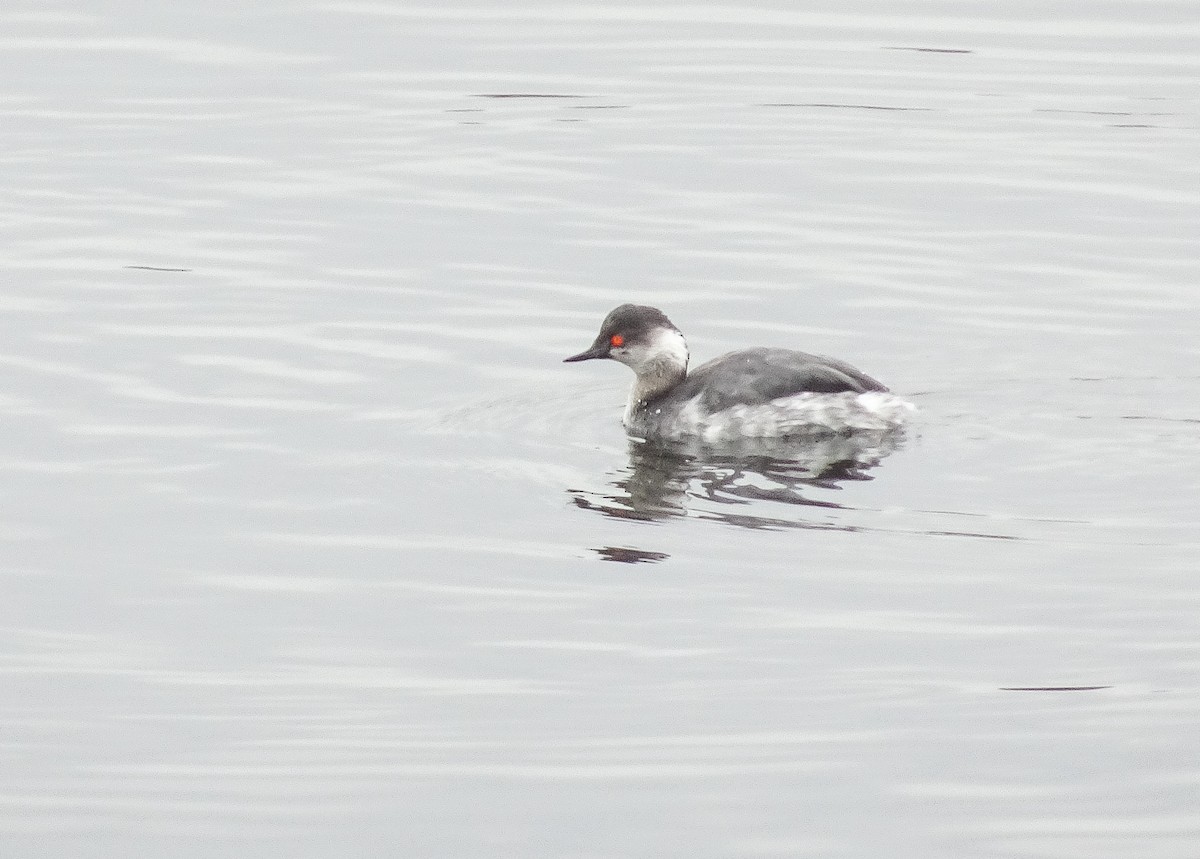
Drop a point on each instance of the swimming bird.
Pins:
(759, 392)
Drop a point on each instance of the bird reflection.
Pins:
(627, 555)
(667, 480)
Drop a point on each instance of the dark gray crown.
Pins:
(634, 322)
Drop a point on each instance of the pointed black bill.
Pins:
(597, 350)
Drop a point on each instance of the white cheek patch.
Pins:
(666, 348)
(632, 355)
(670, 344)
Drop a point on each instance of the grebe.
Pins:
(749, 393)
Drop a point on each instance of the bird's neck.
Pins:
(662, 371)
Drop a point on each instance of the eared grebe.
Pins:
(748, 393)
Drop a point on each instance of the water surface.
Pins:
(312, 546)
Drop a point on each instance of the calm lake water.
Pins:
(312, 547)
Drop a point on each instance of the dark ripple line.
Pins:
(525, 95)
(928, 50)
(844, 106)
(1096, 112)
(1158, 419)
(1052, 688)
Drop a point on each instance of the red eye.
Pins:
(617, 340)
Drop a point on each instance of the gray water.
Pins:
(312, 547)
